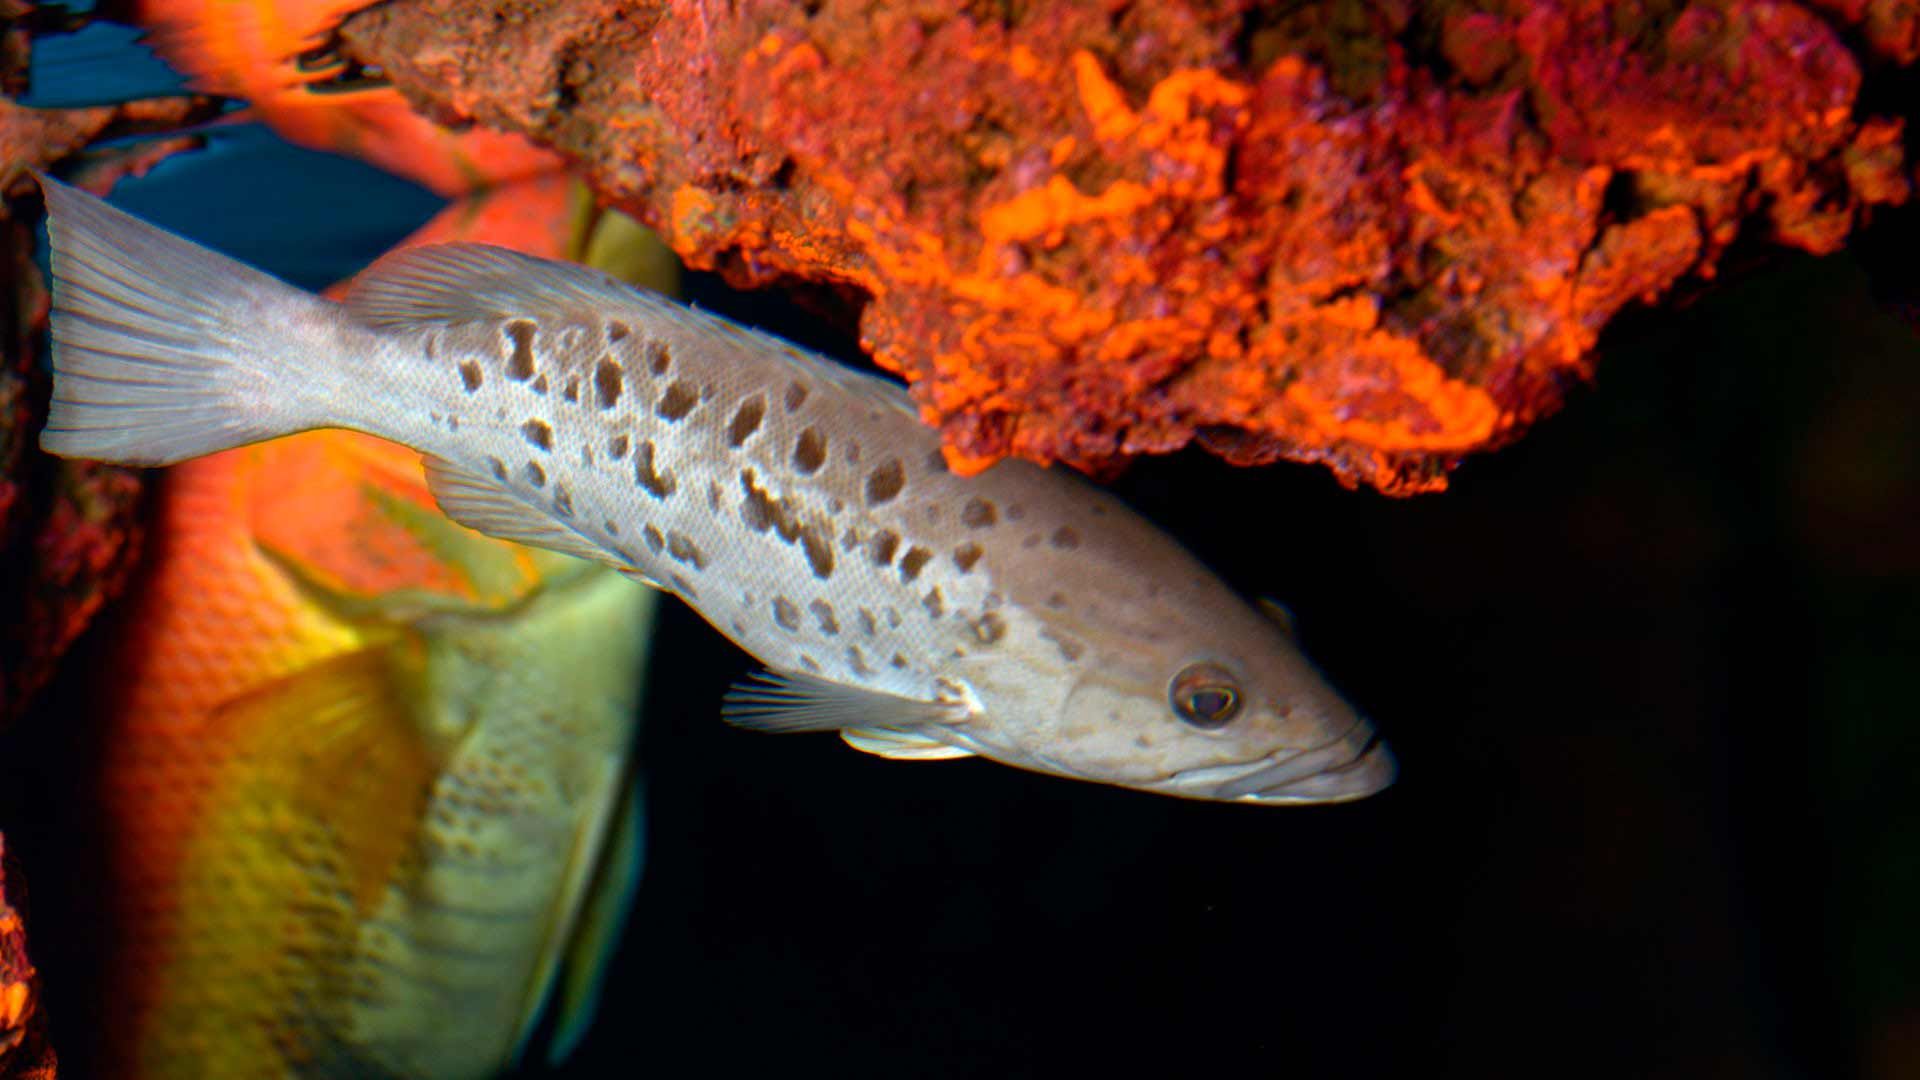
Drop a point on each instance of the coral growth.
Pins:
(1378, 236)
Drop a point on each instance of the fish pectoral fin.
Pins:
(901, 745)
(784, 701)
(484, 506)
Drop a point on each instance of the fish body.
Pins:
(799, 506)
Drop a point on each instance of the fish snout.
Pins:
(1354, 766)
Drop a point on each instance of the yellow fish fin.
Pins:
(574, 904)
(597, 936)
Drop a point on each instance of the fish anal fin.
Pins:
(486, 507)
(785, 701)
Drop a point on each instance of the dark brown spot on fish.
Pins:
(658, 482)
(683, 550)
(966, 555)
(819, 552)
(536, 475)
(935, 604)
(572, 392)
(538, 433)
(809, 663)
(785, 613)
(885, 482)
(978, 514)
(470, 376)
(761, 512)
(1065, 538)
(852, 452)
(498, 468)
(617, 446)
(612, 527)
(607, 382)
(936, 462)
(1057, 600)
(859, 660)
(683, 587)
(713, 495)
(796, 396)
(913, 561)
(809, 452)
(882, 547)
(1098, 509)
(1070, 648)
(654, 540)
(823, 613)
(989, 628)
(867, 625)
(562, 501)
(540, 384)
(617, 330)
(520, 364)
(658, 358)
(746, 420)
(678, 400)
(898, 661)
(893, 619)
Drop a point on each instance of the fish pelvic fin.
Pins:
(162, 349)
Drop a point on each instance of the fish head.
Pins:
(1223, 708)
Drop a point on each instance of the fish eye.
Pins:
(1204, 695)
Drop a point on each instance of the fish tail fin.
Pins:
(162, 349)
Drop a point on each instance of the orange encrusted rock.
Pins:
(1377, 236)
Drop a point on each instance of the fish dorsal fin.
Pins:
(458, 283)
(784, 701)
(901, 745)
(484, 506)
(1278, 615)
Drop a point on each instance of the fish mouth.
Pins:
(1354, 766)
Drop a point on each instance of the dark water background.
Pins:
(1651, 676)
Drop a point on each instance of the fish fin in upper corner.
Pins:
(461, 282)
(784, 701)
(484, 506)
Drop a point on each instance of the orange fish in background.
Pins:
(366, 789)
(275, 54)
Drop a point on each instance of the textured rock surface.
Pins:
(1375, 235)
(24, 1053)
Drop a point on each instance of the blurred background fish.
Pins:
(367, 795)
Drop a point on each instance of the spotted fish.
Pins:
(797, 505)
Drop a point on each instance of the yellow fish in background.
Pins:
(367, 791)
